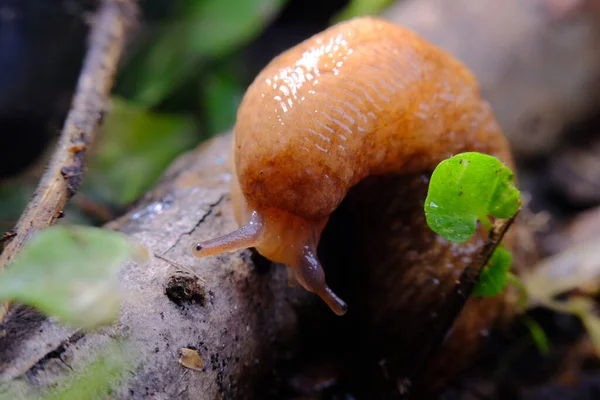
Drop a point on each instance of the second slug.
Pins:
(362, 98)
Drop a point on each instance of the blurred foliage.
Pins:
(357, 8)
(192, 48)
(70, 273)
(188, 58)
(13, 199)
(133, 149)
(199, 31)
(97, 380)
(221, 98)
(537, 335)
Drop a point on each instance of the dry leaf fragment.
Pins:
(190, 358)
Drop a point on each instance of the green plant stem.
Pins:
(485, 221)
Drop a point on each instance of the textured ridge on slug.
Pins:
(364, 97)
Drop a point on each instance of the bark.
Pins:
(255, 335)
(233, 314)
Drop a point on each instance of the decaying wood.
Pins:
(241, 317)
(65, 171)
(233, 315)
(538, 61)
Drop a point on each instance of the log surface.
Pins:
(236, 321)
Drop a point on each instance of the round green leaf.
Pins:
(466, 188)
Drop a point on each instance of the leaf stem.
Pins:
(485, 221)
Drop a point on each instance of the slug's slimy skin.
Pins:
(363, 98)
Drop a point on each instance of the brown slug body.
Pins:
(363, 98)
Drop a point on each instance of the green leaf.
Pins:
(134, 148)
(70, 273)
(466, 188)
(200, 31)
(359, 8)
(494, 276)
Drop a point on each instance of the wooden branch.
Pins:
(66, 168)
(240, 319)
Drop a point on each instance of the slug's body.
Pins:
(363, 98)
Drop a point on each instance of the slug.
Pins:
(361, 99)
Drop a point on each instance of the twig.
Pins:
(94, 209)
(457, 300)
(65, 170)
(6, 236)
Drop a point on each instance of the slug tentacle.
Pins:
(248, 235)
(283, 238)
(309, 273)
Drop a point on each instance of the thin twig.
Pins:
(65, 170)
(6, 236)
(457, 301)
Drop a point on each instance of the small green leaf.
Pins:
(70, 273)
(494, 276)
(359, 8)
(466, 188)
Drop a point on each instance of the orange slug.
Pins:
(363, 98)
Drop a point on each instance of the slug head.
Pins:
(283, 238)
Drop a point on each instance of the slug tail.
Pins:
(247, 236)
(310, 275)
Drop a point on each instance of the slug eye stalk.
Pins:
(284, 238)
(247, 236)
